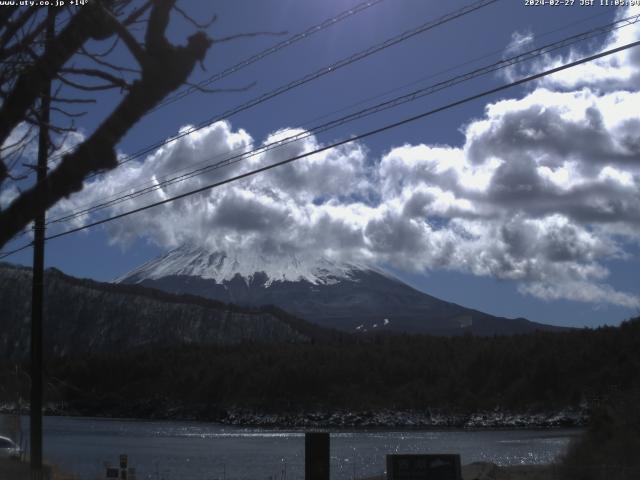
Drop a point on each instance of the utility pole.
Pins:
(37, 291)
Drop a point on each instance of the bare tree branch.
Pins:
(12, 27)
(129, 40)
(72, 100)
(114, 82)
(34, 120)
(68, 114)
(55, 97)
(16, 178)
(97, 153)
(27, 39)
(13, 158)
(53, 146)
(18, 142)
(89, 22)
(192, 21)
(108, 51)
(91, 72)
(158, 20)
(104, 63)
(136, 14)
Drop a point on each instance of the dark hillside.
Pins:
(84, 316)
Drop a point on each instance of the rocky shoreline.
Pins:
(337, 419)
(409, 419)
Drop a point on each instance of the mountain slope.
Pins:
(87, 316)
(347, 296)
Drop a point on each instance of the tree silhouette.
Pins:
(27, 63)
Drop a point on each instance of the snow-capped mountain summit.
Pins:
(349, 296)
(194, 261)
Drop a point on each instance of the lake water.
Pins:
(203, 451)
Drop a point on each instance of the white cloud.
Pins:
(581, 292)
(544, 190)
(520, 42)
(619, 71)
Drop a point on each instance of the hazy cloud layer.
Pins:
(543, 192)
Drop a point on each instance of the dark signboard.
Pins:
(424, 467)
(316, 456)
(113, 472)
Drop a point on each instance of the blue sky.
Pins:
(519, 204)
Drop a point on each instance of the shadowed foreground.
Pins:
(11, 469)
(15, 470)
(490, 471)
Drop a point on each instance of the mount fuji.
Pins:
(352, 297)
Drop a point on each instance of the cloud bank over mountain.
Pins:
(544, 191)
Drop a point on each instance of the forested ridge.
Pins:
(544, 370)
(83, 316)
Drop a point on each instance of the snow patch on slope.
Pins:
(197, 262)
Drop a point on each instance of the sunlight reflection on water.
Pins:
(202, 451)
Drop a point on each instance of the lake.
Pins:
(170, 450)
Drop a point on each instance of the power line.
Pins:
(313, 76)
(505, 63)
(599, 30)
(257, 57)
(12, 252)
(329, 69)
(333, 20)
(271, 50)
(352, 139)
(342, 142)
